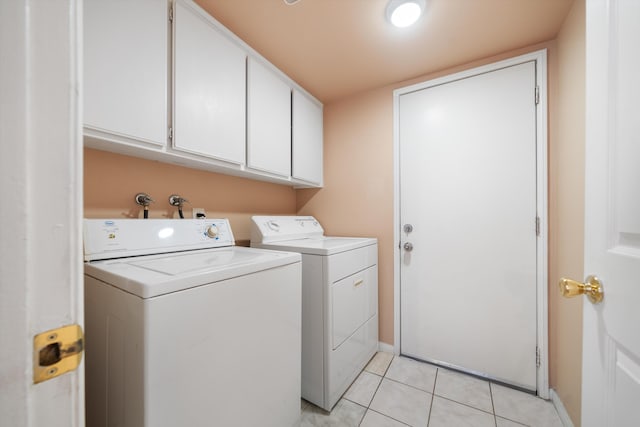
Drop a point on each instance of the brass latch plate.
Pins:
(57, 351)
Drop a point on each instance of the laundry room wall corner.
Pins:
(357, 196)
(566, 205)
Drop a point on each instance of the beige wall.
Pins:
(567, 210)
(111, 182)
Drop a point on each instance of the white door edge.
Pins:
(540, 57)
(41, 166)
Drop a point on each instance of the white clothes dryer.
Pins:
(185, 329)
(339, 301)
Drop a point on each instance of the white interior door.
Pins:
(468, 190)
(41, 209)
(611, 343)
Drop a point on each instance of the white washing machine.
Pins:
(185, 329)
(339, 301)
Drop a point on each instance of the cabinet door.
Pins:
(209, 87)
(307, 139)
(125, 69)
(268, 120)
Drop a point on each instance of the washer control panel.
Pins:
(114, 238)
(213, 232)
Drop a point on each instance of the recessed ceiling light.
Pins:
(403, 13)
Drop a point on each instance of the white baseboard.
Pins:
(387, 348)
(564, 415)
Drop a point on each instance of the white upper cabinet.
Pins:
(209, 87)
(164, 80)
(268, 120)
(125, 71)
(307, 139)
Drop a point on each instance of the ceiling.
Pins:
(335, 48)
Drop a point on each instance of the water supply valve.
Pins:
(178, 201)
(143, 199)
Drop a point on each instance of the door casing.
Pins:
(540, 58)
(41, 167)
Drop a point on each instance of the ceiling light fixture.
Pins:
(403, 13)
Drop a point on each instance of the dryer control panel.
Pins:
(268, 229)
(116, 238)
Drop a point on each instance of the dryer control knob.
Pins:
(212, 231)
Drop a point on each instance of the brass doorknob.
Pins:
(592, 288)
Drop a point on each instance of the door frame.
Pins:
(540, 58)
(41, 169)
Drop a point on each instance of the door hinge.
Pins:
(537, 357)
(537, 226)
(170, 14)
(537, 96)
(171, 134)
(57, 351)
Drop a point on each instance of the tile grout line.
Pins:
(390, 417)
(493, 406)
(433, 393)
(384, 377)
(495, 415)
(388, 366)
(464, 404)
(407, 385)
(450, 399)
(377, 388)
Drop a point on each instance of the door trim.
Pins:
(540, 58)
(41, 170)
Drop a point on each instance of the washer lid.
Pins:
(154, 275)
(323, 245)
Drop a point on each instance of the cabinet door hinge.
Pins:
(170, 14)
(171, 134)
(537, 226)
(537, 95)
(537, 357)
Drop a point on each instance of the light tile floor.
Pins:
(397, 391)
